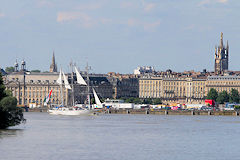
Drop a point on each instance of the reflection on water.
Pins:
(118, 137)
(10, 132)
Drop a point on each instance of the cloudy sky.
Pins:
(118, 35)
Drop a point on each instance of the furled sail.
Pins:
(80, 79)
(67, 85)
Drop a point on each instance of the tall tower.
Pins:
(16, 66)
(221, 57)
(53, 66)
(23, 66)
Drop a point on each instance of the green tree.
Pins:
(223, 97)
(212, 94)
(36, 70)
(2, 88)
(9, 69)
(147, 101)
(10, 114)
(234, 96)
(137, 101)
(157, 101)
(130, 100)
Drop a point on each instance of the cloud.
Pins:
(151, 26)
(222, 1)
(105, 20)
(45, 3)
(148, 7)
(2, 15)
(126, 5)
(132, 22)
(84, 19)
(147, 26)
(92, 6)
(205, 2)
(190, 27)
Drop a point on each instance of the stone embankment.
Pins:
(171, 112)
(152, 111)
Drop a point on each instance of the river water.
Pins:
(122, 137)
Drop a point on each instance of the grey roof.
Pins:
(2, 72)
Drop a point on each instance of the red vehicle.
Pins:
(210, 102)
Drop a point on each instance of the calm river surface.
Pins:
(122, 137)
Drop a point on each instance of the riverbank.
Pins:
(174, 112)
(153, 111)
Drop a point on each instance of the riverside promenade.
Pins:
(154, 112)
(172, 112)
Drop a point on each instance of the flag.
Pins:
(46, 99)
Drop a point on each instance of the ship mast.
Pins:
(61, 87)
(88, 88)
(73, 98)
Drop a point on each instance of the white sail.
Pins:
(97, 100)
(59, 80)
(80, 79)
(67, 85)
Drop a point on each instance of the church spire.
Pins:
(53, 66)
(221, 41)
(53, 58)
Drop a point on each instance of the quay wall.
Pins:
(151, 111)
(171, 112)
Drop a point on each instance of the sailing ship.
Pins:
(70, 110)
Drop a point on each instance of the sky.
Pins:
(118, 35)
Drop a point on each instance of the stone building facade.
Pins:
(173, 89)
(223, 83)
(186, 89)
(36, 87)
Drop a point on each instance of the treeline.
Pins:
(222, 97)
(10, 114)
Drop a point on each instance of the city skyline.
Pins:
(119, 36)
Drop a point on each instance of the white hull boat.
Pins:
(69, 111)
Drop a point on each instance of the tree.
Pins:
(157, 101)
(2, 88)
(223, 97)
(9, 69)
(234, 96)
(147, 101)
(212, 94)
(36, 70)
(130, 100)
(10, 114)
(137, 101)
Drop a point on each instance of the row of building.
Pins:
(186, 87)
(170, 87)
